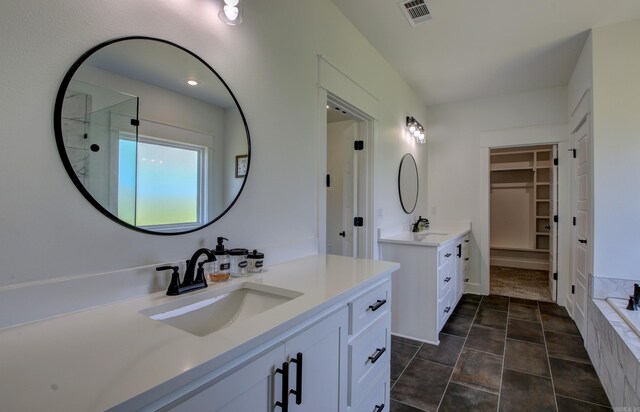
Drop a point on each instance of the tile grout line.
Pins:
(546, 349)
(405, 368)
(460, 354)
(504, 355)
(583, 401)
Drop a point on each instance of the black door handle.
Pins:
(377, 305)
(343, 234)
(379, 408)
(298, 390)
(284, 404)
(374, 358)
(582, 240)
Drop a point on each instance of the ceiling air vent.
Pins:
(415, 11)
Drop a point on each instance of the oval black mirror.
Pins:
(152, 136)
(408, 183)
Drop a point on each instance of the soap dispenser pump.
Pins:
(224, 263)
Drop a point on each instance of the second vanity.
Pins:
(321, 342)
(430, 282)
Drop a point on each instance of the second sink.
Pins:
(205, 313)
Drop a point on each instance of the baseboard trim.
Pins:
(414, 338)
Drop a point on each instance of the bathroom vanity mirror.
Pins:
(408, 183)
(150, 134)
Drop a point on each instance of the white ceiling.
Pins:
(473, 48)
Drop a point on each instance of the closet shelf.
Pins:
(542, 233)
(543, 200)
(543, 183)
(542, 217)
(518, 249)
(511, 169)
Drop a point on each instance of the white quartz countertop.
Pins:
(437, 236)
(99, 358)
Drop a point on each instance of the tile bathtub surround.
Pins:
(602, 288)
(491, 359)
(615, 352)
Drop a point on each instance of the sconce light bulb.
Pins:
(233, 3)
(231, 12)
(416, 133)
(412, 128)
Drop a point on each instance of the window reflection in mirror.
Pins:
(147, 148)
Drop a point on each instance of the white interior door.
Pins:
(582, 199)
(553, 227)
(342, 180)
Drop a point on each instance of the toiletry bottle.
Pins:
(222, 255)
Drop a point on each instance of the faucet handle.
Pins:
(174, 286)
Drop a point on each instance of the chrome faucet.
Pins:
(192, 280)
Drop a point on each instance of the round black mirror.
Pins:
(152, 136)
(408, 183)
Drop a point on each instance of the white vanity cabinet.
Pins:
(345, 362)
(428, 284)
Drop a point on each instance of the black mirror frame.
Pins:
(57, 127)
(404, 207)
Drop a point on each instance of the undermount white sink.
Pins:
(205, 313)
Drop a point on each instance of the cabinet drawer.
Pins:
(376, 398)
(445, 307)
(446, 254)
(446, 277)
(368, 356)
(365, 309)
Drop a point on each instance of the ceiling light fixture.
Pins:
(192, 82)
(231, 12)
(416, 130)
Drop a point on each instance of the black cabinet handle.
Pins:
(379, 351)
(284, 404)
(447, 255)
(447, 279)
(343, 234)
(448, 308)
(460, 250)
(379, 408)
(465, 259)
(298, 390)
(466, 241)
(582, 240)
(377, 305)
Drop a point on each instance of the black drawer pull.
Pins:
(377, 305)
(379, 351)
(448, 308)
(298, 390)
(447, 255)
(466, 241)
(379, 408)
(582, 240)
(447, 279)
(284, 404)
(465, 259)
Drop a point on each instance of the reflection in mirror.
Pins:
(408, 183)
(150, 133)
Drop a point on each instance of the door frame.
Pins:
(333, 84)
(514, 137)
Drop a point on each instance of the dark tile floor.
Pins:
(497, 354)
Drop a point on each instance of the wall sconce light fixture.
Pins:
(231, 12)
(416, 130)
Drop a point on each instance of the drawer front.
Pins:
(465, 246)
(365, 309)
(446, 254)
(376, 399)
(446, 277)
(445, 307)
(368, 356)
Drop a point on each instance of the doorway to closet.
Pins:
(523, 201)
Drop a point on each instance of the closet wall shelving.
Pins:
(521, 202)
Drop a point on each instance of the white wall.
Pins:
(455, 188)
(48, 230)
(616, 147)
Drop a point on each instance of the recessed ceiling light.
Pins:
(192, 82)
